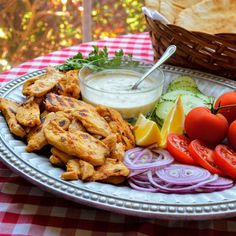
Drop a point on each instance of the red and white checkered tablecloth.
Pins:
(27, 210)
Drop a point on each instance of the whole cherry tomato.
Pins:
(232, 135)
(228, 98)
(201, 123)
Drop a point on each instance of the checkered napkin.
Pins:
(28, 210)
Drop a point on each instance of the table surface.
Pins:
(28, 210)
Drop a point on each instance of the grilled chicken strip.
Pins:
(38, 87)
(79, 144)
(117, 149)
(55, 103)
(75, 126)
(78, 169)
(62, 156)
(118, 125)
(69, 84)
(8, 109)
(36, 138)
(111, 168)
(92, 121)
(28, 113)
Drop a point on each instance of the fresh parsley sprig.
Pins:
(78, 61)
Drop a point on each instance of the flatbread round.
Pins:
(171, 8)
(210, 16)
(153, 4)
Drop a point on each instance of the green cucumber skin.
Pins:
(187, 89)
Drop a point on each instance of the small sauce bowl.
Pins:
(109, 81)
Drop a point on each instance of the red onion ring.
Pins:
(221, 182)
(183, 174)
(148, 188)
(146, 159)
(178, 189)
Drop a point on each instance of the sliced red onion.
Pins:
(183, 174)
(146, 188)
(153, 170)
(145, 159)
(176, 188)
(221, 182)
(217, 187)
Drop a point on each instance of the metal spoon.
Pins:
(168, 52)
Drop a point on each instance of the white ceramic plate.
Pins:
(122, 199)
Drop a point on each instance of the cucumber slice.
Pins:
(173, 95)
(163, 108)
(190, 102)
(183, 83)
(206, 99)
(184, 80)
(183, 86)
(159, 121)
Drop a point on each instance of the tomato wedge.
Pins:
(177, 145)
(203, 155)
(225, 158)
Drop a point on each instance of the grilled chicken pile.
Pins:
(89, 142)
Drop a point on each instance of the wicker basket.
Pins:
(215, 54)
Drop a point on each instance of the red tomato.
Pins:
(232, 135)
(225, 158)
(228, 98)
(201, 124)
(177, 145)
(203, 154)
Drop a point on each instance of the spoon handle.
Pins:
(169, 52)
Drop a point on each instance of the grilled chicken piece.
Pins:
(117, 149)
(55, 102)
(111, 168)
(75, 126)
(8, 109)
(62, 156)
(38, 87)
(36, 138)
(118, 152)
(78, 169)
(28, 113)
(114, 180)
(56, 161)
(79, 144)
(69, 84)
(92, 121)
(72, 170)
(110, 141)
(118, 125)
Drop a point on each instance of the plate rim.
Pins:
(113, 203)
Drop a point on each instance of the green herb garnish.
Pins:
(78, 61)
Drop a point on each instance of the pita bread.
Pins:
(153, 4)
(210, 16)
(185, 3)
(171, 8)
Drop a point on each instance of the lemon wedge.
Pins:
(146, 132)
(174, 122)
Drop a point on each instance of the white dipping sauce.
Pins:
(113, 88)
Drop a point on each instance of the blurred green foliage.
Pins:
(30, 28)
